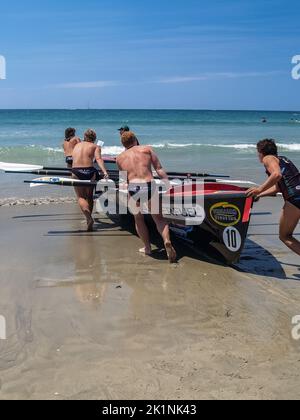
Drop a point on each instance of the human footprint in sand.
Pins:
(138, 161)
(84, 155)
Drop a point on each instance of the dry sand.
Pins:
(90, 318)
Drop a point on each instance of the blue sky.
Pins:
(233, 54)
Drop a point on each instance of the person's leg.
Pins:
(90, 195)
(289, 219)
(143, 233)
(84, 205)
(164, 230)
(91, 199)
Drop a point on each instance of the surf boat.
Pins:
(209, 213)
(210, 217)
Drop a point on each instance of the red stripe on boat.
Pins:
(247, 211)
(109, 158)
(205, 189)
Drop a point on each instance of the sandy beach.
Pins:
(89, 318)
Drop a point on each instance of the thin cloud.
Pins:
(214, 76)
(88, 85)
(181, 79)
(167, 80)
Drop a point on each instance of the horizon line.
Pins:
(150, 109)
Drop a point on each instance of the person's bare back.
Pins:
(84, 155)
(69, 146)
(137, 162)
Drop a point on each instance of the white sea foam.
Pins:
(241, 146)
(51, 149)
(292, 147)
(115, 150)
(112, 150)
(282, 146)
(234, 146)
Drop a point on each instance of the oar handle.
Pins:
(40, 172)
(68, 183)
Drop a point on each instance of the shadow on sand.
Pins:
(259, 261)
(255, 259)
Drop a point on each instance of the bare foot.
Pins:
(90, 225)
(172, 256)
(146, 251)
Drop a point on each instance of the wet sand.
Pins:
(90, 318)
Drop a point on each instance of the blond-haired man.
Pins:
(138, 162)
(84, 155)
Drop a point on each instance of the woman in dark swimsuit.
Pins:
(69, 144)
(283, 177)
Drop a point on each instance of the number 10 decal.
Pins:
(232, 239)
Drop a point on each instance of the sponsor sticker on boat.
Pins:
(192, 215)
(225, 214)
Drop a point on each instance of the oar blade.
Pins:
(18, 167)
(59, 181)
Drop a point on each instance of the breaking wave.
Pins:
(23, 153)
(173, 146)
(241, 146)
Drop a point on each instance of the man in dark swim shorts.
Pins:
(143, 192)
(83, 169)
(86, 174)
(138, 162)
(283, 177)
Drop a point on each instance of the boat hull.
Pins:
(223, 232)
(210, 218)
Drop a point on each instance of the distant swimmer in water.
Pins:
(138, 162)
(264, 120)
(69, 144)
(84, 155)
(284, 177)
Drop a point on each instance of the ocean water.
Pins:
(209, 141)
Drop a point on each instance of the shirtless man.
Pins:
(138, 161)
(83, 168)
(70, 143)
